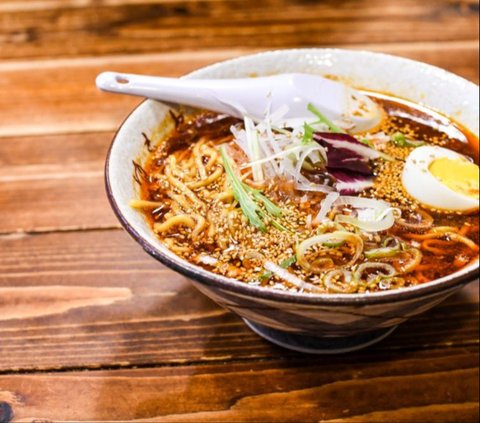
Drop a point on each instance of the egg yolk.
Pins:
(459, 175)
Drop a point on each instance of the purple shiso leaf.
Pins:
(335, 136)
(350, 167)
(342, 158)
(351, 182)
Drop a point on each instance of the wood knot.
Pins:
(6, 412)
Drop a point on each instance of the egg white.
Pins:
(426, 188)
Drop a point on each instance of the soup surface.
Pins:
(312, 208)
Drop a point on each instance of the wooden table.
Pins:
(91, 328)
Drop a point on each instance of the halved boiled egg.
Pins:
(442, 179)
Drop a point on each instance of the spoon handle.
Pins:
(217, 94)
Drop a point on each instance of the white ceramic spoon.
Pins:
(345, 106)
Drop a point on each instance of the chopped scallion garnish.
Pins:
(323, 119)
(367, 142)
(307, 133)
(401, 140)
(333, 244)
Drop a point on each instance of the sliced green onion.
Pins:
(387, 270)
(367, 142)
(345, 285)
(382, 219)
(332, 238)
(323, 119)
(329, 225)
(401, 140)
(388, 240)
(288, 262)
(382, 252)
(423, 222)
(406, 259)
(391, 283)
(307, 133)
(333, 244)
(416, 258)
(366, 225)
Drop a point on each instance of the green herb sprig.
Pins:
(309, 130)
(307, 133)
(250, 199)
(323, 119)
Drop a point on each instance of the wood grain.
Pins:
(403, 385)
(67, 29)
(95, 299)
(92, 328)
(65, 91)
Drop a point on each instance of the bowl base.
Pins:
(320, 345)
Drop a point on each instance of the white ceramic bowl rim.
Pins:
(161, 253)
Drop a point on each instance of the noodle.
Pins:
(208, 180)
(451, 235)
(432, 245)
(199, 159)
(178, 220)
(144, 204)
(199, 227)
(180, 185)
(179, 200)
(213, 157)
(225, 196)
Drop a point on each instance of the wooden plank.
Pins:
(93, 299)
(54, 182)
(395, 387)
(40, 154)
(65, 92)
(63, 201)
(69, 29)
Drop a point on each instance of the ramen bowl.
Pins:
(314, 323)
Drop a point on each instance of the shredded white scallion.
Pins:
(253, 148)
(289, 277)
(326, 206)
(372, 215)
(276, 150)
